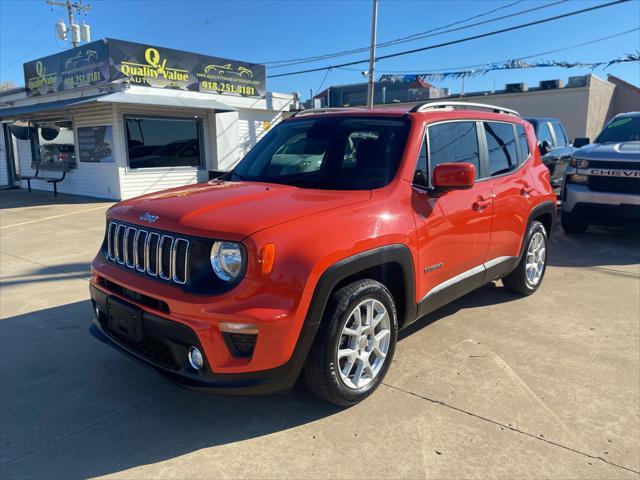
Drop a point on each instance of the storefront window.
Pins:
(95, 144)
(163, 142)
(54, 142)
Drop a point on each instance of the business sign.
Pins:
(109, 60)
(79, 67)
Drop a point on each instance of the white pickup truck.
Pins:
(602, 183)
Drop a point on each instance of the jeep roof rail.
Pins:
(311, 111)
(423, 107)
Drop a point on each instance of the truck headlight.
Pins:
(579, 163)
(577, 178)
(226, 260)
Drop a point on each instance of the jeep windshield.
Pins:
(624, 129)
(337, 153)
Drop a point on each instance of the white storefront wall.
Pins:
(226, 137)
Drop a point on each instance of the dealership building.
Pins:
(119, 119)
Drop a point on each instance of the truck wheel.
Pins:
(528, 275)
(354, 345)
(570, 226)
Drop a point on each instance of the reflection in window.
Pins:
(524, 144)
(454, 142)
(163, 142)
(54, 142)
(501, 146)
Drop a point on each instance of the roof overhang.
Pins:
(160, 100)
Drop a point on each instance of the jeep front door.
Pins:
(453, 227)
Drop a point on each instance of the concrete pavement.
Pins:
(491, 386)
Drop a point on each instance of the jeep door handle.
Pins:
(526, 190)
(481, 204)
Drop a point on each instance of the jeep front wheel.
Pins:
(355, 344)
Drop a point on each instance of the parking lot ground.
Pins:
(491, 386)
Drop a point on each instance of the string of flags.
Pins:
(509, 65)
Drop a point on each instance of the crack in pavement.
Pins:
(85, 428)
(485, 419)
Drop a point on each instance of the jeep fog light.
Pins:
(195, 358)
(226, 260)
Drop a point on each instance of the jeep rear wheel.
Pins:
(528, 275)
(355, 344)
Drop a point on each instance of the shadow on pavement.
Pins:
(599, 246)
(20, 198)
(48, 274)
(75, 408)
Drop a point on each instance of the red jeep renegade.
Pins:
(337, 229)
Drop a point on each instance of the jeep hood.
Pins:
(624, 151)
(229, 210)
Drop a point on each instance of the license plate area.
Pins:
(124, 319)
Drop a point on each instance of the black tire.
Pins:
(320, 371)
(517, 281)
(570, 226)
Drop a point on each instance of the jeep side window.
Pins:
(501, 147)
(524, 144)
(453, 142)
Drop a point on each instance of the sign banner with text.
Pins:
(109, 60)
(79, 67)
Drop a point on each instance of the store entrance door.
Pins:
(8, 177)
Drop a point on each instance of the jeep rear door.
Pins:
(454, 227)
(504, 154)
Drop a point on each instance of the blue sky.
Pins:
(272, 30)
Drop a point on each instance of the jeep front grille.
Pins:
(158, 255)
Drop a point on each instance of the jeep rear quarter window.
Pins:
(501, 147)
(337, 153)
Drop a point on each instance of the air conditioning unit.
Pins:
(550, 84)
(516, 87)
(578, 81)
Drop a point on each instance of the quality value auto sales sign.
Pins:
(109, 60)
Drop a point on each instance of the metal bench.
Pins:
(61, 166)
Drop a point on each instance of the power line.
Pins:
(212, 20)
(418, 36)
(25, 55)
(455, 42)
(563, 49)
(23, 34)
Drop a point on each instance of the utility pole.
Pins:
(372, 55)
(78, 6)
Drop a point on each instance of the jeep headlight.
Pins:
(226, 260)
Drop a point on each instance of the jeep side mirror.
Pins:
(545, 147)
(454, 176)
(581, 142)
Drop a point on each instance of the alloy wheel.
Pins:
(364, 344)
(536, 258)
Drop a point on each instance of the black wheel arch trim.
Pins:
(547, 207)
